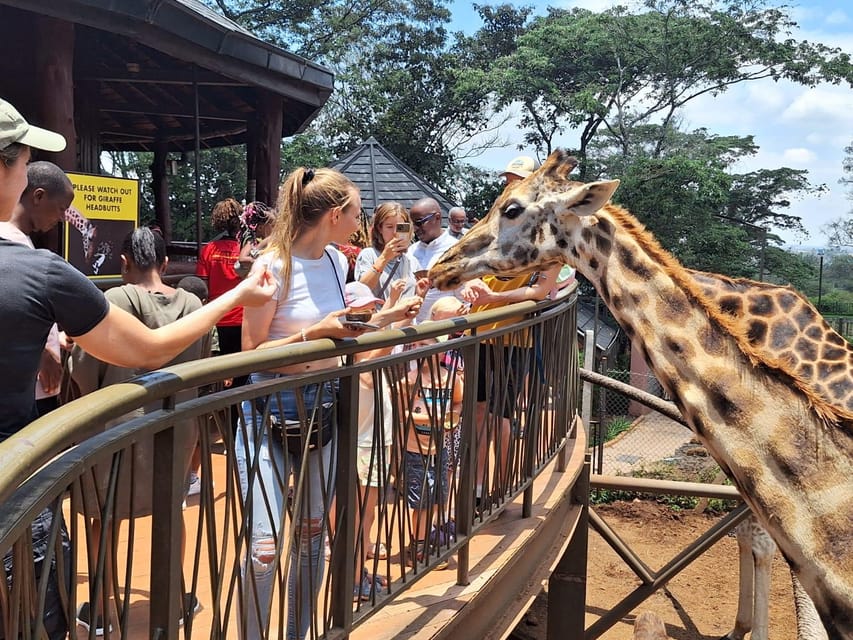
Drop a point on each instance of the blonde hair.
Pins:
(305, 196)
(380, 213)
(446, 307)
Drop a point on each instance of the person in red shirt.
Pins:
(216, 267)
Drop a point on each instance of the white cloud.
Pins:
(837, 17)
(823, 108)
(798, 156)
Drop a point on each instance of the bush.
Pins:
(666, 471)
(617, 425)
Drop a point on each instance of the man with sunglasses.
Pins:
(432, 242)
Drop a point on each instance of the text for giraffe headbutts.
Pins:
(100, 197)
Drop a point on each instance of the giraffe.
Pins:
(786, 441)
(648, 626)
(88, 231)
(756, 550)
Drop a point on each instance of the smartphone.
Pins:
(356, 324)
(404, 230)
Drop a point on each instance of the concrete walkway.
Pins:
(652, 437)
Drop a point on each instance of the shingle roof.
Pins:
(382, 177)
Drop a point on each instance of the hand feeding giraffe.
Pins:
(785, 441)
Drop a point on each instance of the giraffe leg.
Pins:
(743, 619)
(649, 626)
(809, 626)
(763, 550)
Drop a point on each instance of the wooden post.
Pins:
(567, 585)
(54, 78)
(160, 189)
(267, 146)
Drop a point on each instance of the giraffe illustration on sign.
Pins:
(774, 410)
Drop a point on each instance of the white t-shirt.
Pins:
(316, 289)
(405, 270)
(427, 254)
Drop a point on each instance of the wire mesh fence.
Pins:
(628, 438)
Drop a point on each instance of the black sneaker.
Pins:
(191, 607)
(84, 619)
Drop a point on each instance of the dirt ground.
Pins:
(698, 604)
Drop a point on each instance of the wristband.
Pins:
(304, 335)
(373, 266)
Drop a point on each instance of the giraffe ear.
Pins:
(589, 198)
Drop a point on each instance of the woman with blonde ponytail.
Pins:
(315, 208)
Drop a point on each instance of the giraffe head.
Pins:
(529, 227)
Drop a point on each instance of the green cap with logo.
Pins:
(13, 128)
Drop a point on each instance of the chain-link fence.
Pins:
(628, 438)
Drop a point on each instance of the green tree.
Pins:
(617, 70)
(839, 232)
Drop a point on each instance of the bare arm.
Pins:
(122, 340)
(539, 290)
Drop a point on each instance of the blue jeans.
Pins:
(265, 466)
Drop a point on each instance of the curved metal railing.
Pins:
(73, 494)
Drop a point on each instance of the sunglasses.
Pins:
(425, 219)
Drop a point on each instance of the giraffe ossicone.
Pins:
(759, 376)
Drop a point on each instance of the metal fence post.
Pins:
(167, 600)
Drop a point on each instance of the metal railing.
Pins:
(254, 544)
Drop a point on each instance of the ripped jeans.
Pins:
(265, 467)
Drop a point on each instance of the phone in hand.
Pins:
(358, 324)
(404, 231)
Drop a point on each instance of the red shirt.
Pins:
(216, 263)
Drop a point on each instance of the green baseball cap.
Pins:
(13, 128)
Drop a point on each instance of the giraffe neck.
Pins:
(761, 429)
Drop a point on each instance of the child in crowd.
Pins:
(431, 398)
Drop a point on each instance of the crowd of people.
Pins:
(310, 267)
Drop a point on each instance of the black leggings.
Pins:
(230, 341)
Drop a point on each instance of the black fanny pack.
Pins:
(316, 431)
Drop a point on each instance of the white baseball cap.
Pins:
(522, 166)
(13, 128)
(359, 295)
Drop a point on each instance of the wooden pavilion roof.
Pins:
(135, 64)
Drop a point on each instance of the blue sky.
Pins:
(794, 126)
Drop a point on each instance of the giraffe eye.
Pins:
(513, 210)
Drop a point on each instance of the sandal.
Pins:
(377, 551)
(369, 584)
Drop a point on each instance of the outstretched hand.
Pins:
(257, 289)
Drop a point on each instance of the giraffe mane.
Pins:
(826, 411)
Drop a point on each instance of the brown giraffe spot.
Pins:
(806, 371)
(729, 411)
(563, 243)
(679, 348)
(806, 349)
(673, 306)
(831, 352)
(586, 235)
(711, 341)
(782, 333)
(732, 305)
(593, 264)
(757, 332)
(841, 387)
(834, 537)
(605, 227)
(787, 301)
(630, 262)
(604, 244)
(554, 230)
(830, 369)
(804, 317)
(834, 338)
(815, 333)
(761, 305)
